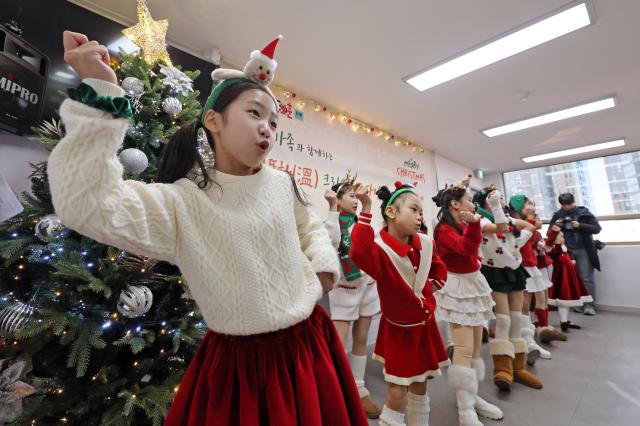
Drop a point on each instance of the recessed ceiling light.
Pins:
(563, 21)
(551, 117)
(575, 151)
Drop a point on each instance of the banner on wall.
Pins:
(318, 152)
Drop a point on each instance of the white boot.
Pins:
(484, 408)
(418, 410)
(544, 354)
(465, 383)
(389, 417)
(533, 350)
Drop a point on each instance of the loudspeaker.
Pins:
(23, 81)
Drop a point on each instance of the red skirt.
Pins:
(410, 354)
(296, 376)
(568, 289)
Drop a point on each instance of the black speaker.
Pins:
(23, 81)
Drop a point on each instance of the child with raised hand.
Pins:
(354, 300)
(255, 257)
(403, 262)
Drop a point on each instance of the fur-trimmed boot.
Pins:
(502, 353)
(465, 383)
(521, 375)
(533, 350)
(484, 408)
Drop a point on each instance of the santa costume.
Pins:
(355, 295)
(465, 303)
(568, 289)
(501, 266)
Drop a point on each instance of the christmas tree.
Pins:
(90, 334)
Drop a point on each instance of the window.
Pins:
(606, 185)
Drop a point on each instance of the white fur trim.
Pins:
(478, 365)
(501, 347)
(519, 345)
(406, 381)
(462, 378)
(259, 56)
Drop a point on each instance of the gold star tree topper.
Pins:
(150, 35)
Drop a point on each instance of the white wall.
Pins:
(449, 172)
(618, 285)
(493, 178)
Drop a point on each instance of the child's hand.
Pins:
(494, 199)
(556, 228)
(469, 217)
(573, 261)
(326, 279)
(362, 195)
(332, 199)
(87, 58)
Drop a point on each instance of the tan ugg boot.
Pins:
(371, 409)
(502, 352)
(521, 375)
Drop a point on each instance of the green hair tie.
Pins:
(117, 107)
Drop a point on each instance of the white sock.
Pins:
(563, 311)
(503, 323)
(418, 410)
(389, 417)
(358, 366)
(515, 330)
(525, 322)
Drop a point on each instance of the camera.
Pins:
(566, 222)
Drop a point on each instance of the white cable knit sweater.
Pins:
(250, 253)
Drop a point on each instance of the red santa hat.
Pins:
(266, 54)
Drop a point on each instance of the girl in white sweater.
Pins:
(255, 257)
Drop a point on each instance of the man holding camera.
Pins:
(578, 225)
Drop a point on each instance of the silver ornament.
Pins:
(50, 227)
(133, 160)
(133, 86)
(172, 106)
(135, 301)
(13, 317)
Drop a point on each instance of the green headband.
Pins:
(398, 193)
(517, 202)
(216, 90)
(223, 85)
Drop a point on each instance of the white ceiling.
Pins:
(353, 55)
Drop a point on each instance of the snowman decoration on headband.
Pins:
(259, 69)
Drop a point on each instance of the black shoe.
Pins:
(572, 325)
(564, 326)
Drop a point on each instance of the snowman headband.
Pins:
(258, 70)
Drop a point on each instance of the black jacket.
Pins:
(588, 227)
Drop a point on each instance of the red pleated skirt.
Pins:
(410, 354)
(296, 376)
(568, 288)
